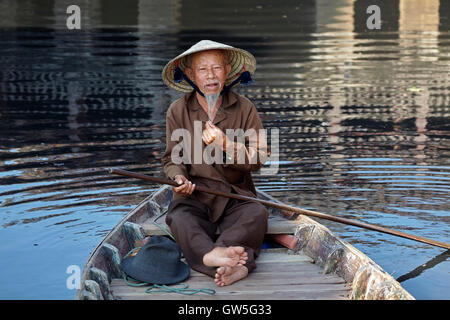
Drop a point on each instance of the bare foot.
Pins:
(228, 275)
(225, 257)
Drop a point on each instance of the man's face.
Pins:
(209, 71)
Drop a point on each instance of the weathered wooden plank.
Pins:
(281, 277)
(277, 269)
(273, 296)
(278, 276)
(276, 225)
(300, 285)
(256, 279)
(293, 295)
(282, 256)
(291, 271)
(277, 257)
(287, 267)
(313, 291)
(247, 285)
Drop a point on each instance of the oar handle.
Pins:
(143, 177)
(286, 210)
(197, 188)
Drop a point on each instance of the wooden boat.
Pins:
(307, 261)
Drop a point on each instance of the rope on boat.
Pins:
(155, 288)
(160, 226)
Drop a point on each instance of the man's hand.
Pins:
(186, 187)
(213, 134)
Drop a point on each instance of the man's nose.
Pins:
(210, 74)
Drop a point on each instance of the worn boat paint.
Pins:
(366, 279)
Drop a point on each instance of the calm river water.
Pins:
(363, 118)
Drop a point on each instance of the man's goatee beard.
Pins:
(211, 99)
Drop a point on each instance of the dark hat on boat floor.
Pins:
(157, 262)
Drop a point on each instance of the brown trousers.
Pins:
(243, 223)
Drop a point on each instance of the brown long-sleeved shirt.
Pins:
(231, 169)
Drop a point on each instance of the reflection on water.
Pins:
(363, 118)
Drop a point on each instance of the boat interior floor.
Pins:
(280, 275)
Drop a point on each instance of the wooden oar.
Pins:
(286, 208)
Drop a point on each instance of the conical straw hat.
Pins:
(238, 59)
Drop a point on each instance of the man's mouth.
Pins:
(212, 86)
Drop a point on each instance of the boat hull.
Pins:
(362, 277)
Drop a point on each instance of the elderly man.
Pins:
(218, 236)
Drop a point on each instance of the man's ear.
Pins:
(188, 72)
(228, 69)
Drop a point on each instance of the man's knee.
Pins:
(177, 218)
(186, 219)
(259, 212)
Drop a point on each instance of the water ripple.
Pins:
(363, 119)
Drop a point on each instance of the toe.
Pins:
(238, 250)
(220, 271)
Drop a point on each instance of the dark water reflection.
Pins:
(363, 119)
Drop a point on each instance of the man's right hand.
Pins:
(186, 187)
